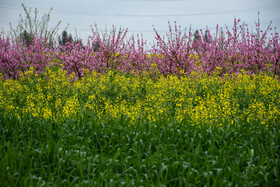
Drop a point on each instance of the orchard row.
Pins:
(176, 53)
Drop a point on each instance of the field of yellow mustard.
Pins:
(197, 99)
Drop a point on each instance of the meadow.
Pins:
(194, 110)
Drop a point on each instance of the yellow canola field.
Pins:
(195, 100)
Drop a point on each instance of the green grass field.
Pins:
(41, 153)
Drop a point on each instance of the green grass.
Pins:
(36, 152)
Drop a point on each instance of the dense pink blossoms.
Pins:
(235, 50)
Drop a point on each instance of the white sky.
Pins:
(139, 16)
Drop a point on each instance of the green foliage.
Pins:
(89, 153)
(27, 38)
(64, 38)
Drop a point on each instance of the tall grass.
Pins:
(89, 153)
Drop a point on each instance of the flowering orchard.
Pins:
(180, 53)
